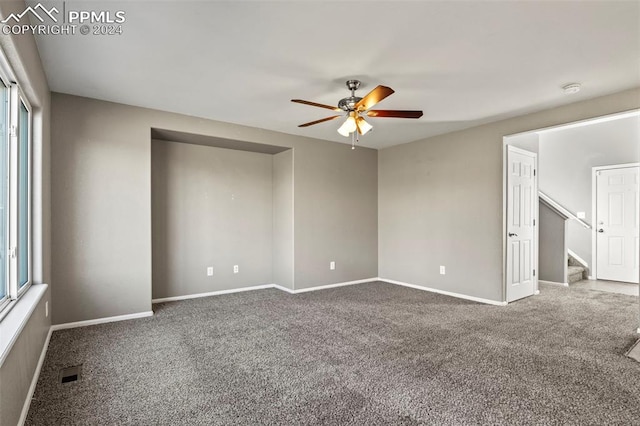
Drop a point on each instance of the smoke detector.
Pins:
(571, 88)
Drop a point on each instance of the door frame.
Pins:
(593, 273)
(505, 239)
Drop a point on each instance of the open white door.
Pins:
(521, 211)
(617, 231)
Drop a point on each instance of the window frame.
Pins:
(6, 299)
(16, 99)
(14, 185)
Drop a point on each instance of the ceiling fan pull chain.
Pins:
(355, 138)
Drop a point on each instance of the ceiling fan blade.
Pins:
(322, 120)
(373, 97)
(301, 101)
(394, 113)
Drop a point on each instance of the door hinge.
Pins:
(534, 222)
(12, 131)
(12, 252)
(534, 272)
(534, 172)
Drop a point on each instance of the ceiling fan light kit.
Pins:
(349, 126)
(363, 126)
(355, 106)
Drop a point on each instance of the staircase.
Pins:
(575, 271)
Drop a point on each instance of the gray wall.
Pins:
(440, 201)
(566, 160)
(552, 255)
(19, 367)
(440, 205)
(283, 233)
(335, 199)
(101, 209)
(211, 207)
(527, 141)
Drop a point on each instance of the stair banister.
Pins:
(557, 206)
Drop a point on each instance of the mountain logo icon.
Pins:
(38, 11)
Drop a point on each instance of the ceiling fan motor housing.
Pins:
(348, 104)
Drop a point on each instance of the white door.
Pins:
(617, 224)
(521, 213)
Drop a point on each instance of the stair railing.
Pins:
(557, 206)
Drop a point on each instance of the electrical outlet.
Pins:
(442, 270)
(46, 309)
(210, 271)
(332, 265)
(236, 269)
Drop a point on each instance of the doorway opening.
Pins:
(570, 244)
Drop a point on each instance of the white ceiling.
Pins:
(463, 63)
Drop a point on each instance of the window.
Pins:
(4, 193)
(15, 191)
(23, 216)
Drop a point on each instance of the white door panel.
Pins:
(617, 224)
(521, 196)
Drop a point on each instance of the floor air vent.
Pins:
(70, 374)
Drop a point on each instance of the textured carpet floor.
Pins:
(369, 354)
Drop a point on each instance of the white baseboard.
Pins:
(285, 289)
(34, 380)
(101, 320)
(553, 283)
(446, 293)
(328, 286)
(279, 287)
(260, 287)
(324, 287)
(213, 293)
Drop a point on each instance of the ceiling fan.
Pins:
(355, 107)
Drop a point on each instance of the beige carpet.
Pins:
(369, 354)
